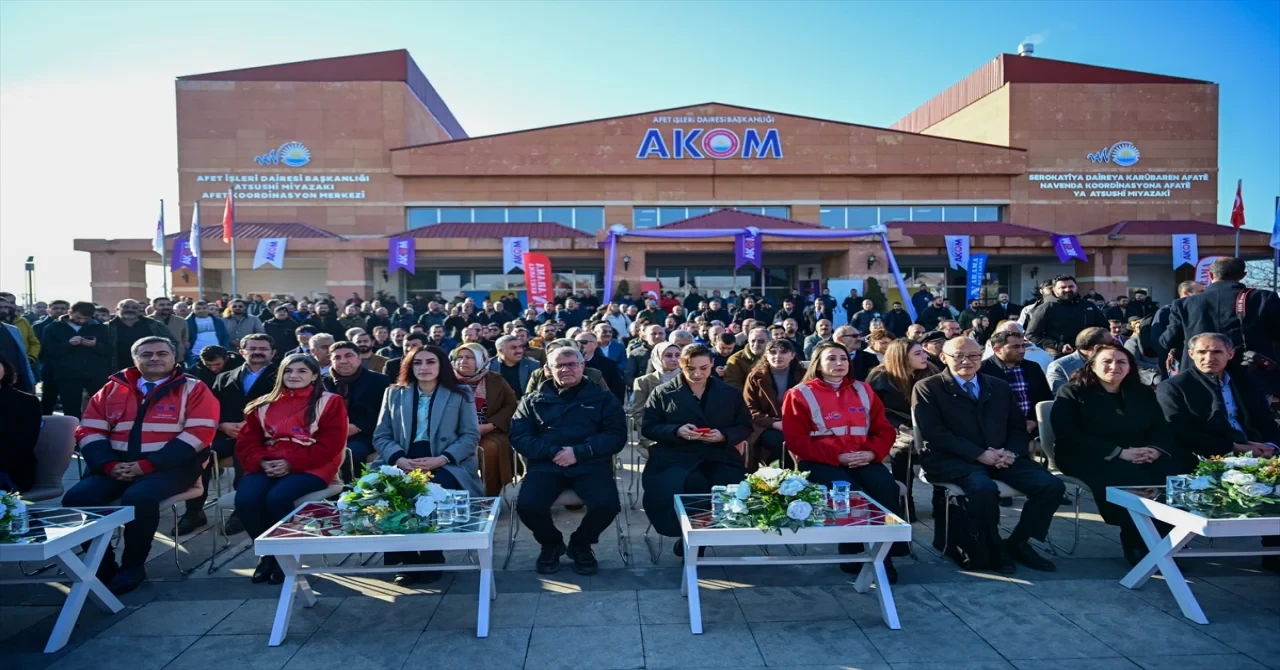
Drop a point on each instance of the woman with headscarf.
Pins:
(665, 359)
(495, 404)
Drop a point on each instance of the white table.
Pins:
(869, 523)
(54, 534)
(1145, 505)
(314, 529)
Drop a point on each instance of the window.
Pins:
(988, 213)
(831, 217)
(671, 215)
(489, 215)
(522, 214)
(952, 213)
(861, 218)
(866, 217)
(420, 217)
(644, 217)
(888, 214)
(455, 215)
(588, 219)
(697, 211)
(560, 215)
(926, 213)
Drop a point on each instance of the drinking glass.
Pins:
(717, 501)
(461, 506)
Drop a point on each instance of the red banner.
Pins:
(537, 280)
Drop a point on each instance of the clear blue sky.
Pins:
(87, 108)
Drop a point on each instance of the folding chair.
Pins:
(53, 452)
(1048, 446)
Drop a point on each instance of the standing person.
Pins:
(144, 438)
(395, 346)
(283, 331)
(568, 429)
(967, 317)
(1003, 310)
(699, 426)
(352, 318)
(177, 325)
(1133, 447)
(325, 321)
(1159, 323)
(905, 363)
(495, 403)
(1026, 379)
(851, 304)
(1054, 325)
(739, 365)
(11, 315)
(638, 363)
(48, 386)
(21, 418)
(128, 327)
(791, 309)
(777, 372)
(862, 320)
(1141, 305)
(290, 445)
(897, 320)
(934, 314)
(13, 346)
(361, 390)
(1044, 292)
(428, 423)
(368, 359)
(240, 323)
(837, 429)
(80, 351)
(921, 300)
(204, 329)
(974, 435)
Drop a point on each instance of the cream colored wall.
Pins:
(986, 120)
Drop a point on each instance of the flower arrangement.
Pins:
(13, 516)
(772, 499)
(1237, 484)
(389, 501)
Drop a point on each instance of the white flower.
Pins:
(371, 478)
(437, 492)
(1201, 483)
(737, 507)
(1233, 462)
(768, 473)
(343, 504)
(382, 504)
(1256, 490)
(424, 506)
(742, 491)
(1237, 477)
(799, 510)
(391, 471)
(792, 486)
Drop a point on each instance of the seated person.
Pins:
(1061, 369)
(537, 377)
(568, 430)
(361, 390)
(905, 363)
(411, 341)
(1109, 431)
(699, 425)
(428, 423)
(495, 404)
(666, 366)
(20, 415)
(774, 374)
(975, 434)
(837, 429)
(1025, 378)
(211, 363)
(291, 444)
(140, 468)
(861, 361)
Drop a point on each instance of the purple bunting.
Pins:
(746, 249)
(400, 254)
(182, 256)
(1068, 248)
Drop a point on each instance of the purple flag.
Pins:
(1068, 248)
(746, 249)
(400, 254)
(182, 256)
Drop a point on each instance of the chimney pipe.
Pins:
(1026, 49)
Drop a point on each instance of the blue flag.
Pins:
(977, 272)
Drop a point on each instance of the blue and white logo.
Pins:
(1123, 154)
(293, 154)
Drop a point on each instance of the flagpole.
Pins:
(1237, 254)
(233, 268)
(197, 251)
(164, 261)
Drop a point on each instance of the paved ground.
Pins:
(634, 617)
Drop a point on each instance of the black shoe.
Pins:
(127, 579)
(678, 550)
(1024, 554)
(1134, 548)
(584, 560)
(232, 526)
(889, 571)
(1003, 563)
(574, 508)
(107, 569)
(262, 573)
(1006, 502)
(549, 558)
(406, 578)
(276, 577)
(1271, 563)
(192, 521)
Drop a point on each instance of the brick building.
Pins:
(339, 155)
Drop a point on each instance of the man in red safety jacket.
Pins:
(144, 438)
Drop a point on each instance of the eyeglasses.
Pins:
(566, 366)
(960, 358)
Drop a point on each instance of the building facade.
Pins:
(339, 155)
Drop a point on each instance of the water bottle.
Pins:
(717, 501)
(840, 497)
(1176, 488)
(461, 506)
(445, 510)
(826, 495)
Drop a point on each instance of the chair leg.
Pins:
(214, 565)
(511, 538)
(654, 544)
(177, 547)
(1075, 540)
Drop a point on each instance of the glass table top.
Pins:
(1198, 503)
(46, 524)
(863, 511)
(320, 519)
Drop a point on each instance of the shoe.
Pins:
(549, 558)
(232, 526)
(1024, 554)
(1133, 547)
(1006, 502)
(192, 521)
(127, 579)
(262, 573)
(1003, 564)
(847, 549)
(406, 578)
(574, 508)
(1271, 563)
(678, 550)
(584, 560)
(107, 569)
(276, 577)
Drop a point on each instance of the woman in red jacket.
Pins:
(292, 443)
(837, 429)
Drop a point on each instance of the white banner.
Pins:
(1186, 251)
(958, 252)
(513, 251)
(270, 252)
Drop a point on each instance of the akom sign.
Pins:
(718, 143)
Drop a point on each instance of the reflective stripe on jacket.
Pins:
(820, 422)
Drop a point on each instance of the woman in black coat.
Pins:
(905, 363)
(1110, 431)
(21, 418)
(683, 460)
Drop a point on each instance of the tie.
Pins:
(148, 387)
(971, 390)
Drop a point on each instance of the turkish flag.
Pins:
(1237, 208)
(537, 280)
(228, 219)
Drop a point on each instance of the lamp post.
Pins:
(30, 268)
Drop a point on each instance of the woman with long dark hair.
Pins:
(291, 444)
(1109, 430)
(905, 363)
(21, 418)
(428, 422)
(769, 380)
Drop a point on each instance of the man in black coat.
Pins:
(1026, 379)
(1053, 325)
(362, 391)
(791, 310)
(638, 363)
(1140, 306)
(78, 357)
(935, 313)
(862, 320)
(896, 320)
(283, 331)
(973, 435)
(1003, 310)
(568, 431)
(1160, 323)
(325, 321)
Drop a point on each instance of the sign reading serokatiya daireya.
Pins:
(287, 186)
(1117, 184)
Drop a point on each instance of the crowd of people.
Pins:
(287, 390)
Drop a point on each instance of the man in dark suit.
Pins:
(974, 434)
(1160, 323)
(411, 341)
(362, 391)
(861, 361)
(1026, 379)
(1252, 326)
(234, 389)
(1003, 310)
